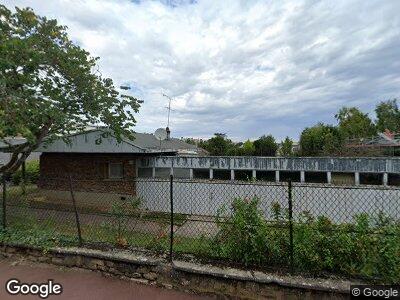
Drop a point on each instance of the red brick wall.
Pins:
(88, 171)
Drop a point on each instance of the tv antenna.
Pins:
(168, 107)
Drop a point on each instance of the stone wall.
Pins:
(185, 276)
(89, 172)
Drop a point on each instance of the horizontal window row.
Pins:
(272, 176)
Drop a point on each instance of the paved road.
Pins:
(81, 284)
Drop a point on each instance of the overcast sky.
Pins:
(244, 68)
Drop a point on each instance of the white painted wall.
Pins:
(339, 203)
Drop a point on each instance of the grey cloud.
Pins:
(247, 68)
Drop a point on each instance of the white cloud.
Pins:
(246, 68)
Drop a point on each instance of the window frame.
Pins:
(109, 170)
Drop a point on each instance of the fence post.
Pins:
(23, 181)
(290, 224)
(171, 196)
(4, 201)
(78, 223)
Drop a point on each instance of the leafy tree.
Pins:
(388, 116)
(265, 146)
(218, 145)
(355, 124)
(286, 147)
(248, 148)
(190, 141)
(320, 139)
(235, 149)
(49, 87)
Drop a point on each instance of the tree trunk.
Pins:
(21, 152)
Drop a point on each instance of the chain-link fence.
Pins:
(351, 230)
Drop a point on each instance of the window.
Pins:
(181, 173)
(115, 171)
(201, 173)
(145, 172)
(163, 172)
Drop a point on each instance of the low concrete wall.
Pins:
(181, 275)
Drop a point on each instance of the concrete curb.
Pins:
(121, 256)
(298, 282)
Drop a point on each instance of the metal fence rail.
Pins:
(289, 225)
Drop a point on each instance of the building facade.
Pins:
(303, 169)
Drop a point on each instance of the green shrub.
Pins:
(119, 213)
(31, 173)
(319, 245)
(368, 248)
(243, 235)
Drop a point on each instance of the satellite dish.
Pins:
(160, 134)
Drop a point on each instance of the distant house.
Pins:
(385, 143)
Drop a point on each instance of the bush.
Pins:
(31, 173)
(368, 248)
(243, 236)
(119, 213)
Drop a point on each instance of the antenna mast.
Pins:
(169, 107)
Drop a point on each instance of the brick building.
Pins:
(100, 167)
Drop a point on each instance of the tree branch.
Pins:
(25, 150)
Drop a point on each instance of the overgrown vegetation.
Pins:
(119, 215)
(369, 247)
(243, 237)
(25, 228)
(31, 173)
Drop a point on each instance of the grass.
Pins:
(313, 244)
(35, 199)
(14, 192)
(24, 228)
(159, 242)
(368, 248)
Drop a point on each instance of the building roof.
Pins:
(149, 141)
(383, 139)
(5, 157)
(103, 141)
(6, 142)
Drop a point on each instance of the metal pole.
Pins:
(290, 223)
(23, 171)
(171, 196)
(4, 201)
(78, 224)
